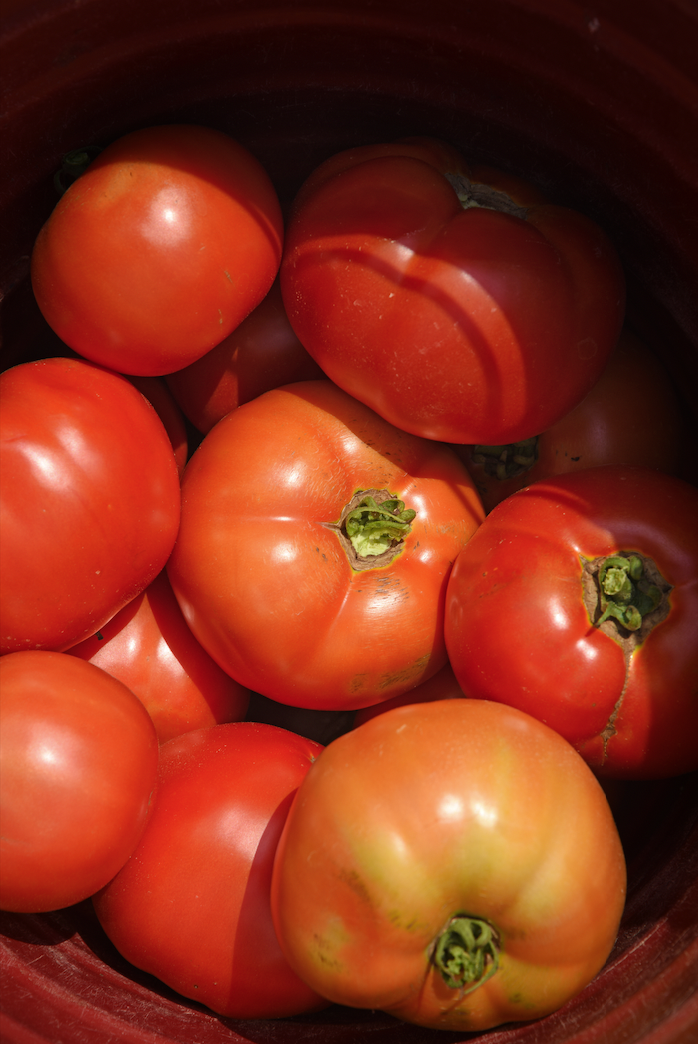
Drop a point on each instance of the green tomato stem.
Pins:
(74, 164)
(505, 462)
(374, 528)
(467, 952)
(624, 593)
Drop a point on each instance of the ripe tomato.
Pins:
(458, 304)
(192, 905)
(526, 604)
(262, 353)
(90, 500)
(266, 573)
(149, 647)
(441, 686)
(160, 398)
(631, 416)
(165, 243)
(430, 866)
(79, 762)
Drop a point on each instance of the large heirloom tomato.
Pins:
(454, 863)
(577, 601)
(631, 416)
(457, 303)
(90, 500)
(149, 647)
(165, 243)
(79, 761)
(192, 905)
(315, 546)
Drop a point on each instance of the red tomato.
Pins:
(264, 569)
(192, 906)
(90, 500)
(165, 243)
(442, 686)
(160, 398)
(430, 866)
(79, 762)
(631, 416)
(457, 304)
(525, 610)
(262, 353)
(149, 647)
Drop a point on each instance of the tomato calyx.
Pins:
(373, 527)
(466, 954)
(73, 166)
(626, 596)
(506, 462)
(476, 194)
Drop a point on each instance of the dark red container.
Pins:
(596, 103)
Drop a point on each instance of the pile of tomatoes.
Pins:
(362, 461)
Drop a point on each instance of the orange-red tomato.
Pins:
(90, 500)
(192, 905)
(264, 567)
(454, 863)
(168, 240)
(149, 647)
(79, 764)
(261, 353)
(631, 416)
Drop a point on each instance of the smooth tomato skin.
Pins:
(436, 809)
(441, 686)
(79, 765)
(630, 416)
(266, 585)
(90, 500)
(462, 325)
(518, 631)
(202, 924)
(160, 249)
(263, 352)
(160, 398)
(149, 647)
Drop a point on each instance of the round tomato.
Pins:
(441, 686)
(315, 545)
(90, 500)
(458, 304)
(192, 906)
(577, 601)
(631, 416)
(79, 760)
(430, 867)
(262, 353)
(165, 243)
(149, 647)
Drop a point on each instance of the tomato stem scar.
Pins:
(624, 593)
(466, 953)
(373, 527)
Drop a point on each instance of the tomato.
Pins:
(262, 353)
(192, 905)
(458, 304)
(266, 573)
(149, 647)
(430, 867)
(160, 249)
(90, 500)
(539, 615)
(631, 416)
(79, 761)
(160, 398)
(441, 686)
